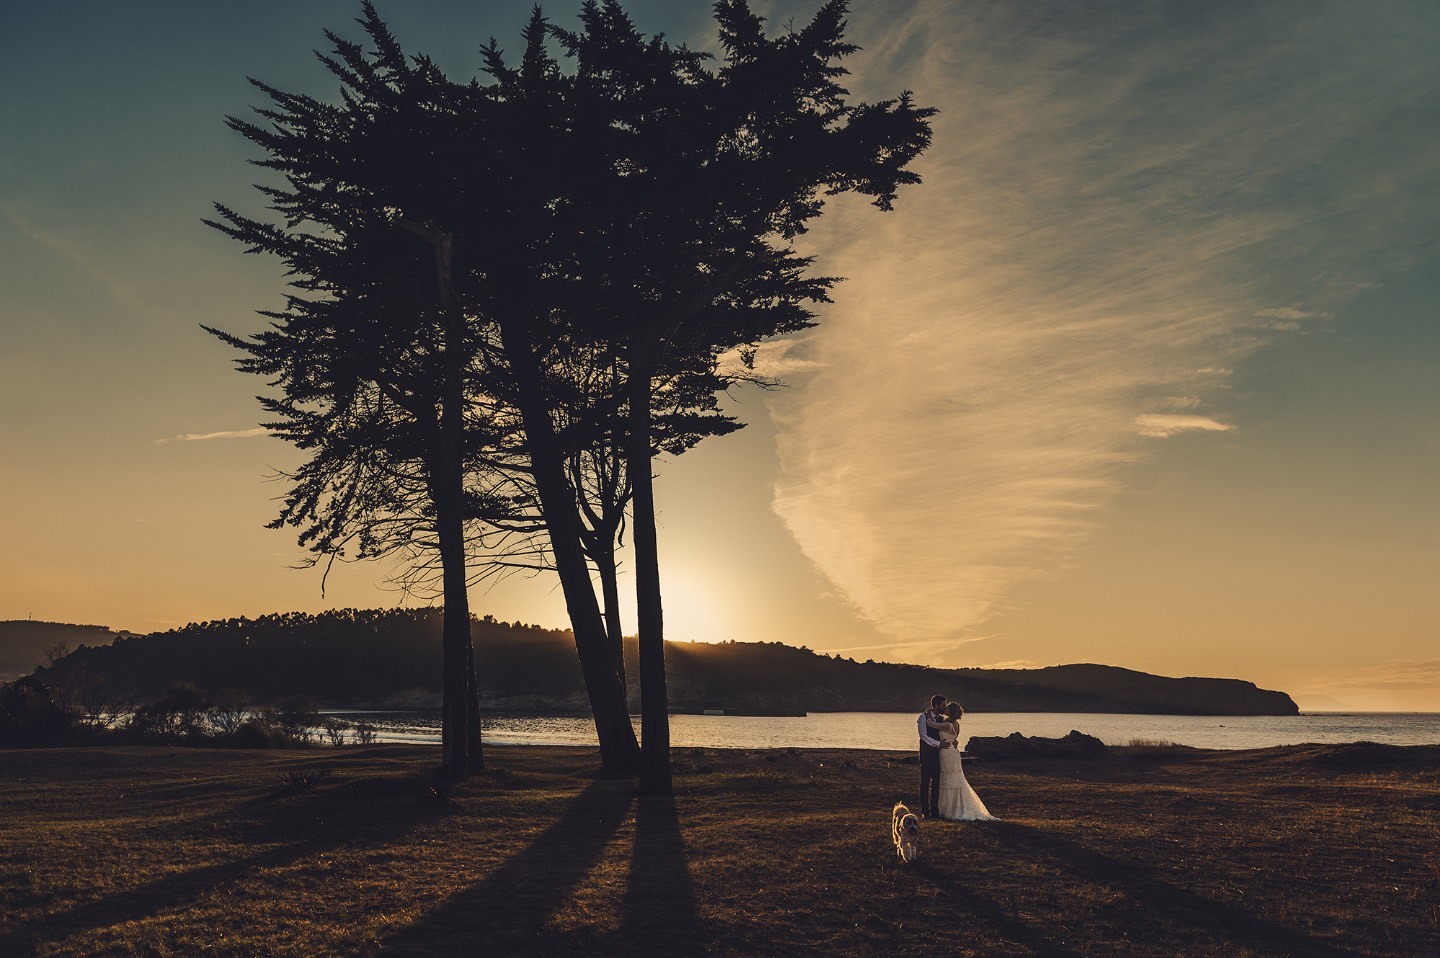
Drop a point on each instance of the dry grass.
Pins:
(178, 852)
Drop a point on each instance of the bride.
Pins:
(958, 801)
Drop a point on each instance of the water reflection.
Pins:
(896, 731)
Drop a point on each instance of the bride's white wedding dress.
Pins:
(958, 801)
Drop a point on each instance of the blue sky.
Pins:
(1144, 373)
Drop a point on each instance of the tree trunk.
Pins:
(610, 593)
(654, 696)
(472, 703)
(459, 754)
(619, 751)
(460, 716)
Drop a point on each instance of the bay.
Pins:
(895, 731)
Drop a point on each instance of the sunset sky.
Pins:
(1146, 373)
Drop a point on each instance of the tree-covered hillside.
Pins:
(771, 675)
(24, 643)
(392, 658)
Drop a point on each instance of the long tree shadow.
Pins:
(992, 911)
(659, 907)
(507, 912)
(328, 817)
(1188, 915)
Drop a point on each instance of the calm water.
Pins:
(896, 731)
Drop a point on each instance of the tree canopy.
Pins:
(512, 293)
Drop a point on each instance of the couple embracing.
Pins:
(943, 789)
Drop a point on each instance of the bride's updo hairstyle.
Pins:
(953, 711)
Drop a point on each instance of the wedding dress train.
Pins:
(958, 801)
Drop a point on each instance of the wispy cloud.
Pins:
(1289, 314)
(1012, 664)
(1164, 425)
(932, 651)
(74, 254)
(1392, 675)
(774, 360)
(228, 434)
(1288, 319)
(1119, 209)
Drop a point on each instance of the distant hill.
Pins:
(391, 658)
(23, 643)
(771, 675)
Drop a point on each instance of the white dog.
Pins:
(905, 832)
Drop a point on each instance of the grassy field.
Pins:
(1302, 851)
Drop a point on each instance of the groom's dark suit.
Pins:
(929, 766)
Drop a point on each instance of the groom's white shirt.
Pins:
(926, 734)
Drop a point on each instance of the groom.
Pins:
(930, 746)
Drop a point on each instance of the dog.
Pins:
(905, 832)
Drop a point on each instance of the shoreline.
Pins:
(1044, 751)
(894, 731)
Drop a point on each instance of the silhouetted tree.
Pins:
(691, 186)
(402, 211)
(372, 356)
(521, 292)
(229, 709)
(30, 716)
(179, 714)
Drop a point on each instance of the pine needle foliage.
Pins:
(511, 294)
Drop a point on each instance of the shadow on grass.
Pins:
(509, 911)
(1172, 910)
(1000, 916)
(328, 820)
(660, 913)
